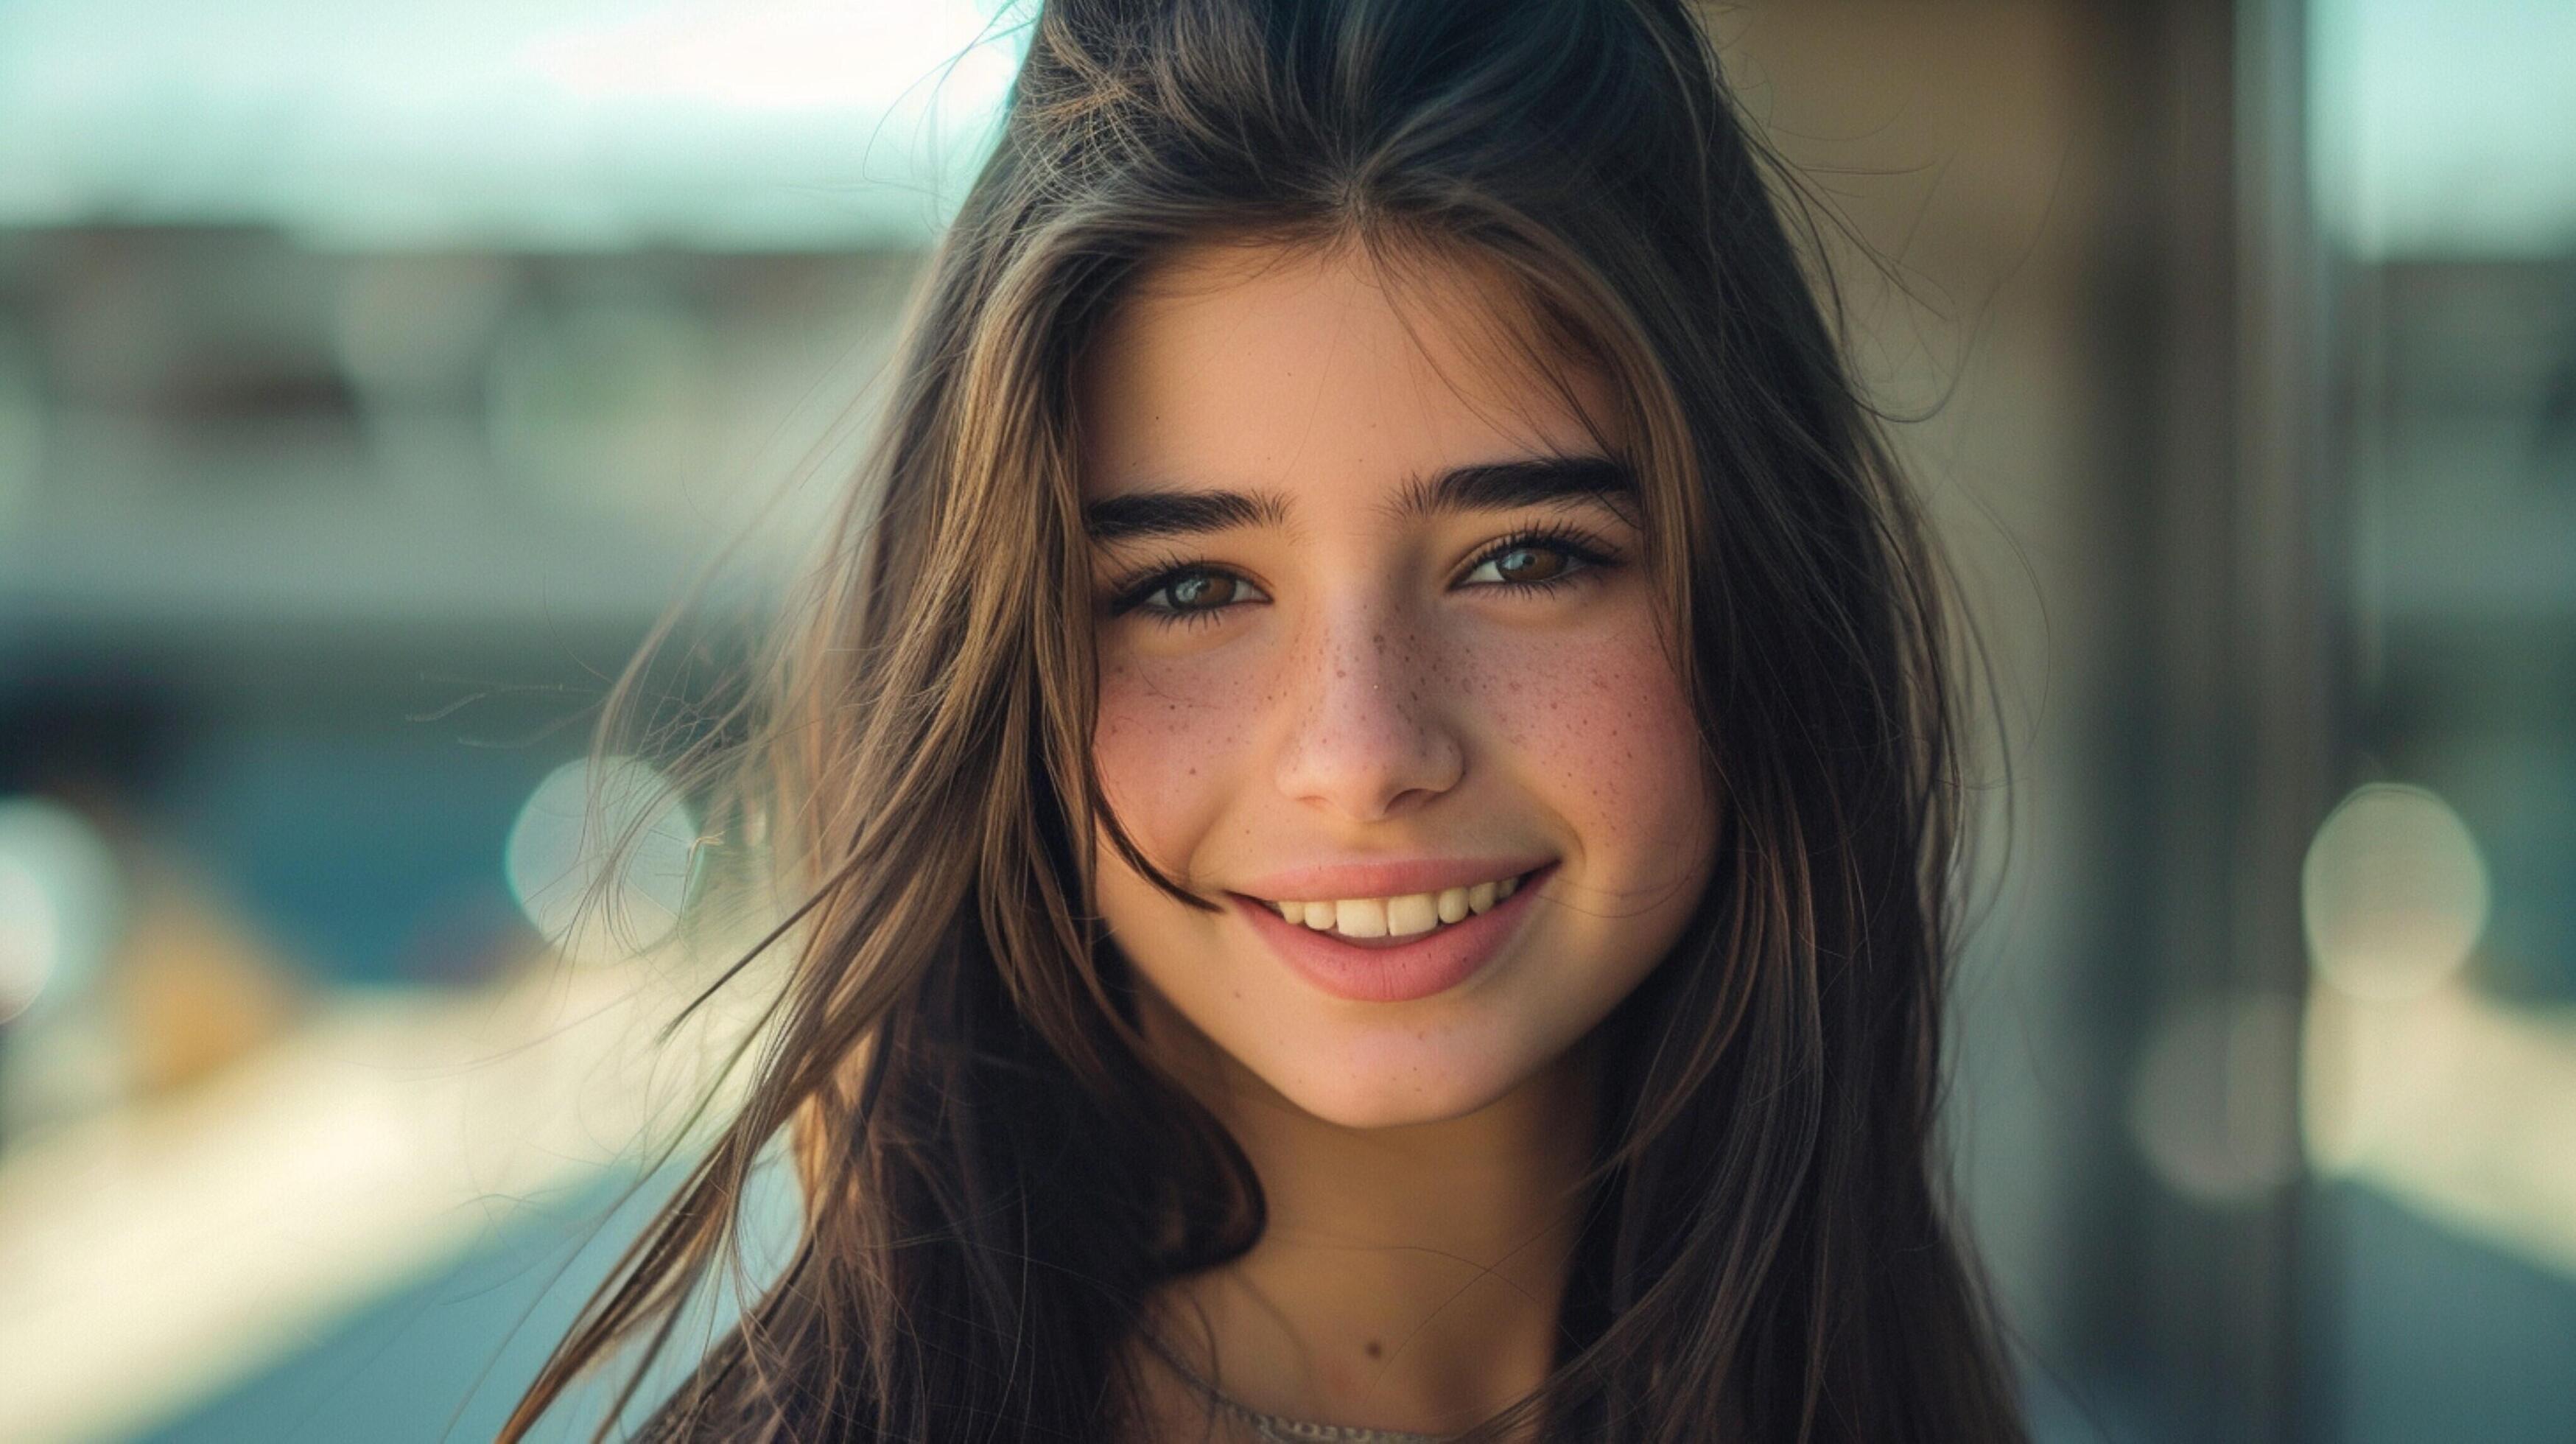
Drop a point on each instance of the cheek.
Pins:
(1591, 716)
(1594, 721)
(1170, 743)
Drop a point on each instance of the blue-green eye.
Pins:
(1186, 594)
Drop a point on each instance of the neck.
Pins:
(1410, 1276)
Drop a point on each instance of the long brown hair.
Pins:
(995, 1173)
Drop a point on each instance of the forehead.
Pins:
(1299, 369)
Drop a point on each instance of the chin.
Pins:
(1389, 1074)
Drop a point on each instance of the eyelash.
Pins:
(1129, 595)
(1587, 554)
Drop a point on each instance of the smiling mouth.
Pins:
(1392, 921)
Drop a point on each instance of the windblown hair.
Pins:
(995, 1172)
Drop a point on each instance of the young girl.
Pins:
(1372, 784)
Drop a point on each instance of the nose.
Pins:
(1368, 735)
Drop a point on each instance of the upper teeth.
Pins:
(1380, 917)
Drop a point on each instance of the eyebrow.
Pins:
(1160, 513)
(1556, 481)
(1550, 481)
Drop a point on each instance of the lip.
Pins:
(1435, 962)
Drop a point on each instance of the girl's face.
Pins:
(1378, 651)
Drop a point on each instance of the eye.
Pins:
(1523, 564)
(1189, 593)
(1541, 561)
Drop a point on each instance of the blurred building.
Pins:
(369, 389)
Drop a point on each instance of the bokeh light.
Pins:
(600, 858)
(2394, 891)
(58, 901)
(2214, 1103)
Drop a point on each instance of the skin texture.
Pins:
(1371, 695)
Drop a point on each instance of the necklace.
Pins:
(1271, 1428)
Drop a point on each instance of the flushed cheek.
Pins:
(1169, 741)
(1594, 720)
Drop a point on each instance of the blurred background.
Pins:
(373, 377)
